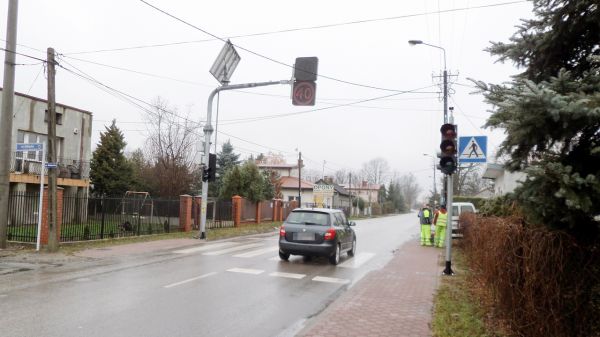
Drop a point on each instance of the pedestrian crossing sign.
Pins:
(472, 149)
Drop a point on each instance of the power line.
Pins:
(258, 54)
(289, 30)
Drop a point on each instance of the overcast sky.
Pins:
(370, 53)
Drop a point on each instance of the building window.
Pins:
(59, 116)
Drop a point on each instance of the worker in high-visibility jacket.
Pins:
(440, 220)
(425, 216)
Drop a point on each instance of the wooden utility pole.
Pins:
(8, 93)
(52, 160)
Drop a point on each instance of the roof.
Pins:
(493, 171)
(56, 104)
(266, 165)
(292, 182)
(338, 188)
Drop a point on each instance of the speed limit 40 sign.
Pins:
(304, 93)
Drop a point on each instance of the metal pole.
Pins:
(39, 227)
(8, 93)
(450, 186)
(300, 179)
(52, 158)
(208, 130)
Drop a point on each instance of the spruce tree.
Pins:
(551, 114)
(110, 172)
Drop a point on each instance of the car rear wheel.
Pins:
(335, 258)
(284, 256)
(352, 251)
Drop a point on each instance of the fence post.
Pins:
(236, 203)
(102, 218)
(185, 213)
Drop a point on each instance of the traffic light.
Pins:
(448, 161)
(305, 74)
(209, 174)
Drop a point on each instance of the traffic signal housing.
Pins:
(448, 160)
(304, 89)
(210, 173)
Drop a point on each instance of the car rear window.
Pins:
(310, 218)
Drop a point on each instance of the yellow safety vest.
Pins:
(442, 219)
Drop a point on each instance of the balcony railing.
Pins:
(22, 163)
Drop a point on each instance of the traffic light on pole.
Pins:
(448, 160)
(304, 89)
(209, 174)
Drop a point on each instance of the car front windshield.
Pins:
(308, 218)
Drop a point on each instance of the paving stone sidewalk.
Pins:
(394, 301)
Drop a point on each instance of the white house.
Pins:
(504, 181)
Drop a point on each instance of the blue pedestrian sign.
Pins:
(29, 147)
(472, 149)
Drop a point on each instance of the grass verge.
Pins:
(458, 312)
(212, 234)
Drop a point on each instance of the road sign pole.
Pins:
(39, 228)
(208, 130)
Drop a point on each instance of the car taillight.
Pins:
(282, 231)
(329, 235)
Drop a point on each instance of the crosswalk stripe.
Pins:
(189, 280)
(234, 249)
(330, 280)
(357, 261)
(203, 248)
(288, 275)
(257, 252)
(246, 271)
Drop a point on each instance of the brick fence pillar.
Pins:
(185, 213)
(45, 234)
(274, 202)
(236, 208)
(197, 211)
(258, 211)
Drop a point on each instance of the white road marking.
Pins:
(275, 258)
(246, 271)
(202, 248)
(257, 252)
(234, 249)
(357, 261)
(330, 280)
(288, 275)
(190, 280)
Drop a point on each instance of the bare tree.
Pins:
(341, 176)
(171, 149)
(375, 170)
(469, 180)
(410, 189)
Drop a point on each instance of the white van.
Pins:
(459, 208)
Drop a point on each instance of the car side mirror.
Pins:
(352, 223)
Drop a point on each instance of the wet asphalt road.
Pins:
(233, 288)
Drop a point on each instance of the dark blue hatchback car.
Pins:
(317, 232)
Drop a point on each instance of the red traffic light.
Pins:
(448, 131)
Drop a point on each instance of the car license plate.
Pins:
(305, 236)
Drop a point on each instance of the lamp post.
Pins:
(449, 185)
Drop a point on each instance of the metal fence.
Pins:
(91, 218)
(218, 214)
(23, 208)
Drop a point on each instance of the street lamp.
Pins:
(449, 184)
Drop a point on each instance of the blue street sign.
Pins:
(51, 165)
(30, 147)
(472, 149)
